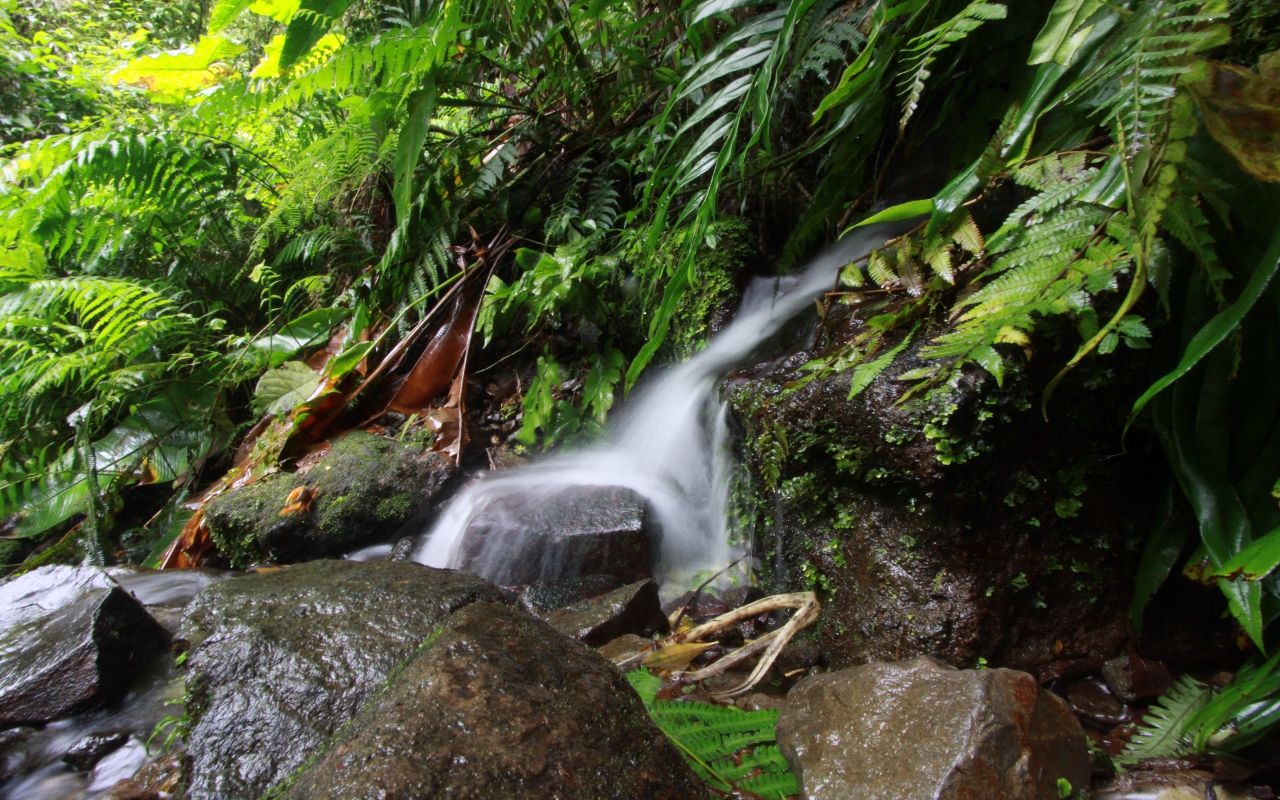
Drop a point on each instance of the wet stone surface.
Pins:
(92, 748)
(71, 639)
(546, 595)
(521, 538)
(502, 706)
(280, 660)
(364, 489)
(920, 730)
(632, 609)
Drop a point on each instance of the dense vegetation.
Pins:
(220, 225)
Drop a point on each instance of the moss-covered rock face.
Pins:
(958, 524)
(362, 490)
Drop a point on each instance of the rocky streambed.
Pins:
(341, 679)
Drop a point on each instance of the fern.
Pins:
(835, 37)
(722, 744)
(1162, 733)
(925, 49)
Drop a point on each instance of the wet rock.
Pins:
(546, 595)
(500, 705)
(365, 488)
(957, 523)
(758, 701)
(739, 596)
(576, 530)
(920, 730)
(281, 659)
(1091, 700)
(404, 548)
(624, 647)
(800, 653)
(93, 748)
(1131, 677)
(631, 609)
(70, 639)
(168, 588)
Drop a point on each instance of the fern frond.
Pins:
(925, 49)
(1162, 734)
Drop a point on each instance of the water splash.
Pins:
(671, 444)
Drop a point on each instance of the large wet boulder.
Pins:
(362, 490)
(921, 730)
(955, 522)
(280, 660)
(561, 532)
(70, 639)
(501, 705)
(596, 621)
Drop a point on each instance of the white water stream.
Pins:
(670, 444)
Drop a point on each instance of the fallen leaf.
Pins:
(675, 656)
(439, 362)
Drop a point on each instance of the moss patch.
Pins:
(362, 491)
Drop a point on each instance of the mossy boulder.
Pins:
(957, 523)
(363, 490)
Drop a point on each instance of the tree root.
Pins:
(807, 610)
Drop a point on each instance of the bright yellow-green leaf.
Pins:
(173, 74)
(676, 656)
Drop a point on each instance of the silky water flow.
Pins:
(670, 444)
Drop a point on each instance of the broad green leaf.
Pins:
(341, 365)
(413, 133)
(225, 12)
(1170, 533)
(1217, 329)
(173, 74)
(310, 329)
(710, 8)
(1064, 32)
(1254, 562)
(157, 442)
(311, 22)
(283, 389)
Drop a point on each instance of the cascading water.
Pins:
(670, 445)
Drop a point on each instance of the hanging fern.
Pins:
(726, 746)
(925, 49)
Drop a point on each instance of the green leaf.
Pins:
(283, 389)
(342, 364)
(413, 133)
(1217, 329)
(1254, 562)
(310, 329)
(173, 74)
(710, 8)
(864, 374)
(1162, 733)
(225, 12)
(311, 22)
(1063, 33)
(896, 213)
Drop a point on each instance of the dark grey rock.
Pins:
(70, 639)
(921, 730)
(280, 660)
(631, 609)
(364, 489)
(501, 706)
(93, 748)
(576, 530)
(546, 595)
(404, 548)
(624, 647)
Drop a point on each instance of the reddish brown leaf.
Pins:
(439, 362)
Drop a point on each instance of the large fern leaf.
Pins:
(1162, 733)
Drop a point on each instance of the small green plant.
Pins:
(730, 749)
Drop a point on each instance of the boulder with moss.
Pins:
(364, 489)
(956, 522)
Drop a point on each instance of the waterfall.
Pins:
(670, 444)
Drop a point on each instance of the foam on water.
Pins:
(671, 443)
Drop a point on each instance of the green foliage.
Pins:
(724, 745)
(1163, 732)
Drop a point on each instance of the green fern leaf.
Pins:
(1162, 732)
